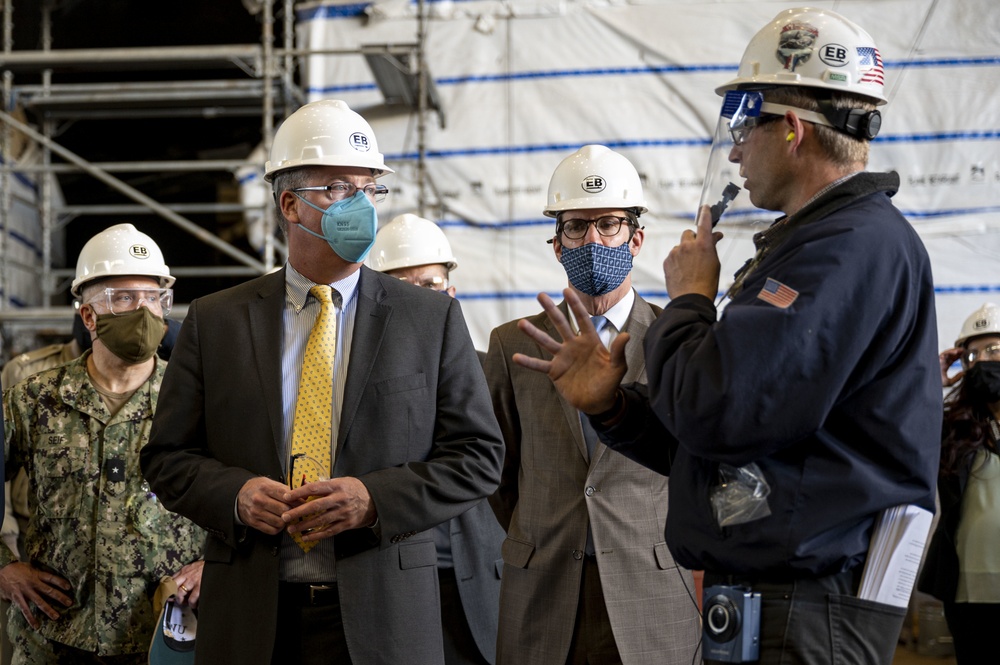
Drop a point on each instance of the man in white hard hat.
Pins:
(811, 406)
(319, 482)
(417, 251)
(97, 541)
(16, 512)
(587, 578)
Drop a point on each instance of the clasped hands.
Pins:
(317, 510)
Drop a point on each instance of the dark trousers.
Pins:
(820, 621)
(310, 627)
(593, 640)
(459, 644)
(973, 627)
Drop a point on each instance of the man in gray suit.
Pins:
(587, 576)
(417, 251)
(413, 440)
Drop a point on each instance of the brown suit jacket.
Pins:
(550, 491)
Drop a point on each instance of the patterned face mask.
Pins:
(595, 269)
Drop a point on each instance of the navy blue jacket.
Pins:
(836, 397)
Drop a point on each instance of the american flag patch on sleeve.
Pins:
(777, 294)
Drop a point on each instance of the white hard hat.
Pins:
(594, 177)
(324, 133)
(810, 47)
(984, 321)
(409, 241)
(118, 251)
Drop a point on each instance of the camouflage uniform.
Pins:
(16, 370)
(93, 519)
(15, 516)
(24, 365)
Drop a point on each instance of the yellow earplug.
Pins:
(790, 137)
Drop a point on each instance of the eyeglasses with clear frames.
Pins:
(607, 226)
(971, 356)
(122, 301)
(741, 132)
(338, 191)
(434, 283)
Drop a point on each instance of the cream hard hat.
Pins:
(118, 251)
(409, 240)
(324, 133)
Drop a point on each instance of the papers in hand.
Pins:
(894, 555)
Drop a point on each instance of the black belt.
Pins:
(849, 580)
(309, 595)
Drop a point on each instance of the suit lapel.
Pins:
(265, 314)
(371, 319)
(636, 325)
(639, 320)
(571, 414)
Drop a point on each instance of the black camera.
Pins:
(731, 624)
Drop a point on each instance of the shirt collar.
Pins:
(297, 288)
(617, 315)
(764, 239)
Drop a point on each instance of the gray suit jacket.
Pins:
(550, 491)
(416, 428)
(476, 537)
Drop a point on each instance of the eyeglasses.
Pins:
(608, 226)
(435, 283)
(971, 356)
(338, 191)
(122, 301)
(741, 132)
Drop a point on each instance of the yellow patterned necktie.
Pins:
(310, 460)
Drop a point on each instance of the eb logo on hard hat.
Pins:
(360, 142)
(139, 251)
(834, 55)
(594, 184)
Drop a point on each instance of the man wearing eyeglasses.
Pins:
(587, 577)
(792, 421)
(97, 540)
(340, 568)
(416, 250)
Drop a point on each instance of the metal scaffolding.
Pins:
(263, 84)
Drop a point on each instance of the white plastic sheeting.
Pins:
(523, 84)
(23, 237)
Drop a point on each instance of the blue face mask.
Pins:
(348, 226)
(595, 269)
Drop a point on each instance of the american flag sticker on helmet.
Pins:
(777, 294)
(870, 62)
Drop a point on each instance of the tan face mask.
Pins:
(133, 337)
